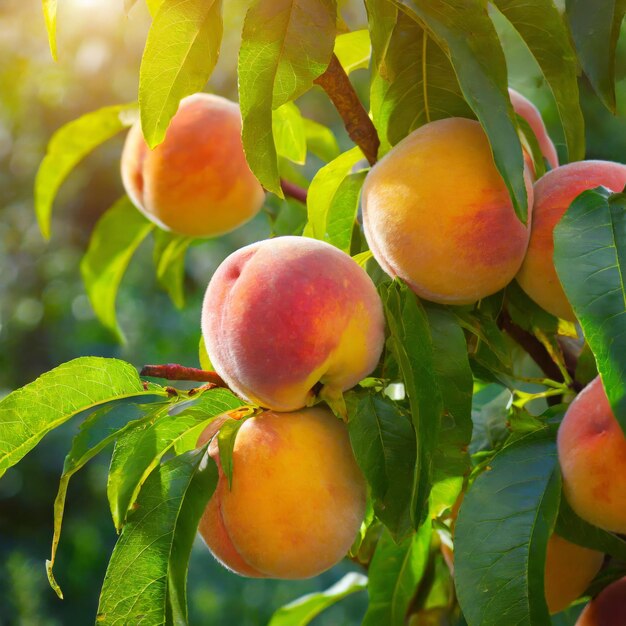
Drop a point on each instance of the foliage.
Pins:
(450, 407)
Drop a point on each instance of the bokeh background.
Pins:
(46, 318)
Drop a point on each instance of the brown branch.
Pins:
(533, 346)
(335, 82)
(173, 371)
(292, 190)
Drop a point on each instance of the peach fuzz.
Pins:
(526, 109)
(608, 608)
(197, 182)
(554, 192)
(592, 454)
(437, 213)
(569, 570)
(287, 317)
(297, 499)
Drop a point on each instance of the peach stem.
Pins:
(173, 371)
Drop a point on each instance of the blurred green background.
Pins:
(46, 318)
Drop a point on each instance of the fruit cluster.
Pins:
(291, 320)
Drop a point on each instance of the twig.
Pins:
(293, 191)
(173, 371)
(335, 82)
(533, 346)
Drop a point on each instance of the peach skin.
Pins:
(526, 109)
(608, 608)
(197, 182)
(437, 213)
(592, 454)
(570, 568)
(554, 192)
(297, 499)
(288, 317)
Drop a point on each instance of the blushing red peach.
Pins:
(592, 454)
(437, 213)
(608, 608)
(569, 570)
(297, 498)
(554, 192)
(287, 317)
(197, 182)
(526, 109)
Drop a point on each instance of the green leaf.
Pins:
(169, 262)
(595, 30)
(353, 50)
(412, 346)
(342, 212)
(590, 259)
(573, 528)
(490, 412)
(384, 447)
(466, 30)
(203, 356)
(101, 428)
(289, 133)
(286, 45)
(68, 146)
(138, 452)
(320, 140)
(50, 17)
(181, 51)
(301, 611)
(323, 189)
(29, 413)
(415, 82)
(394, 573)
(541, 26)
(455, 382)
(114, 240)
(148, 566)
(501, 535)
(226, 442)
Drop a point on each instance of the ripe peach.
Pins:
(554, 192)
(592, 454)
(437, 213)
(526, 109)
(283, 317)
(608, 608)
(197, 182)
(297, 498)
(569, 570)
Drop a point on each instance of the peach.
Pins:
(592, 454)
(197, 182)
(608, 608)
(569, 570)
(297, 498)
(554, 192)
(437, 213)
(526, 109)
(287, 317)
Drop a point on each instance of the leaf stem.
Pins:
(335, 82)
(294, 191)
(173, 371)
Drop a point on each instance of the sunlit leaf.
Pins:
(286, 45)
(301, 611)
(226, 441)
(29, 413)
(50, 17)
(342, 212)
(148, 567)
(289, 133)
(590, 259)
(394, 574)
(320, 140)
(181, 51)
(68, 146)
(353, 50)
(169, 262)
(501, 535)
(114, 240)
